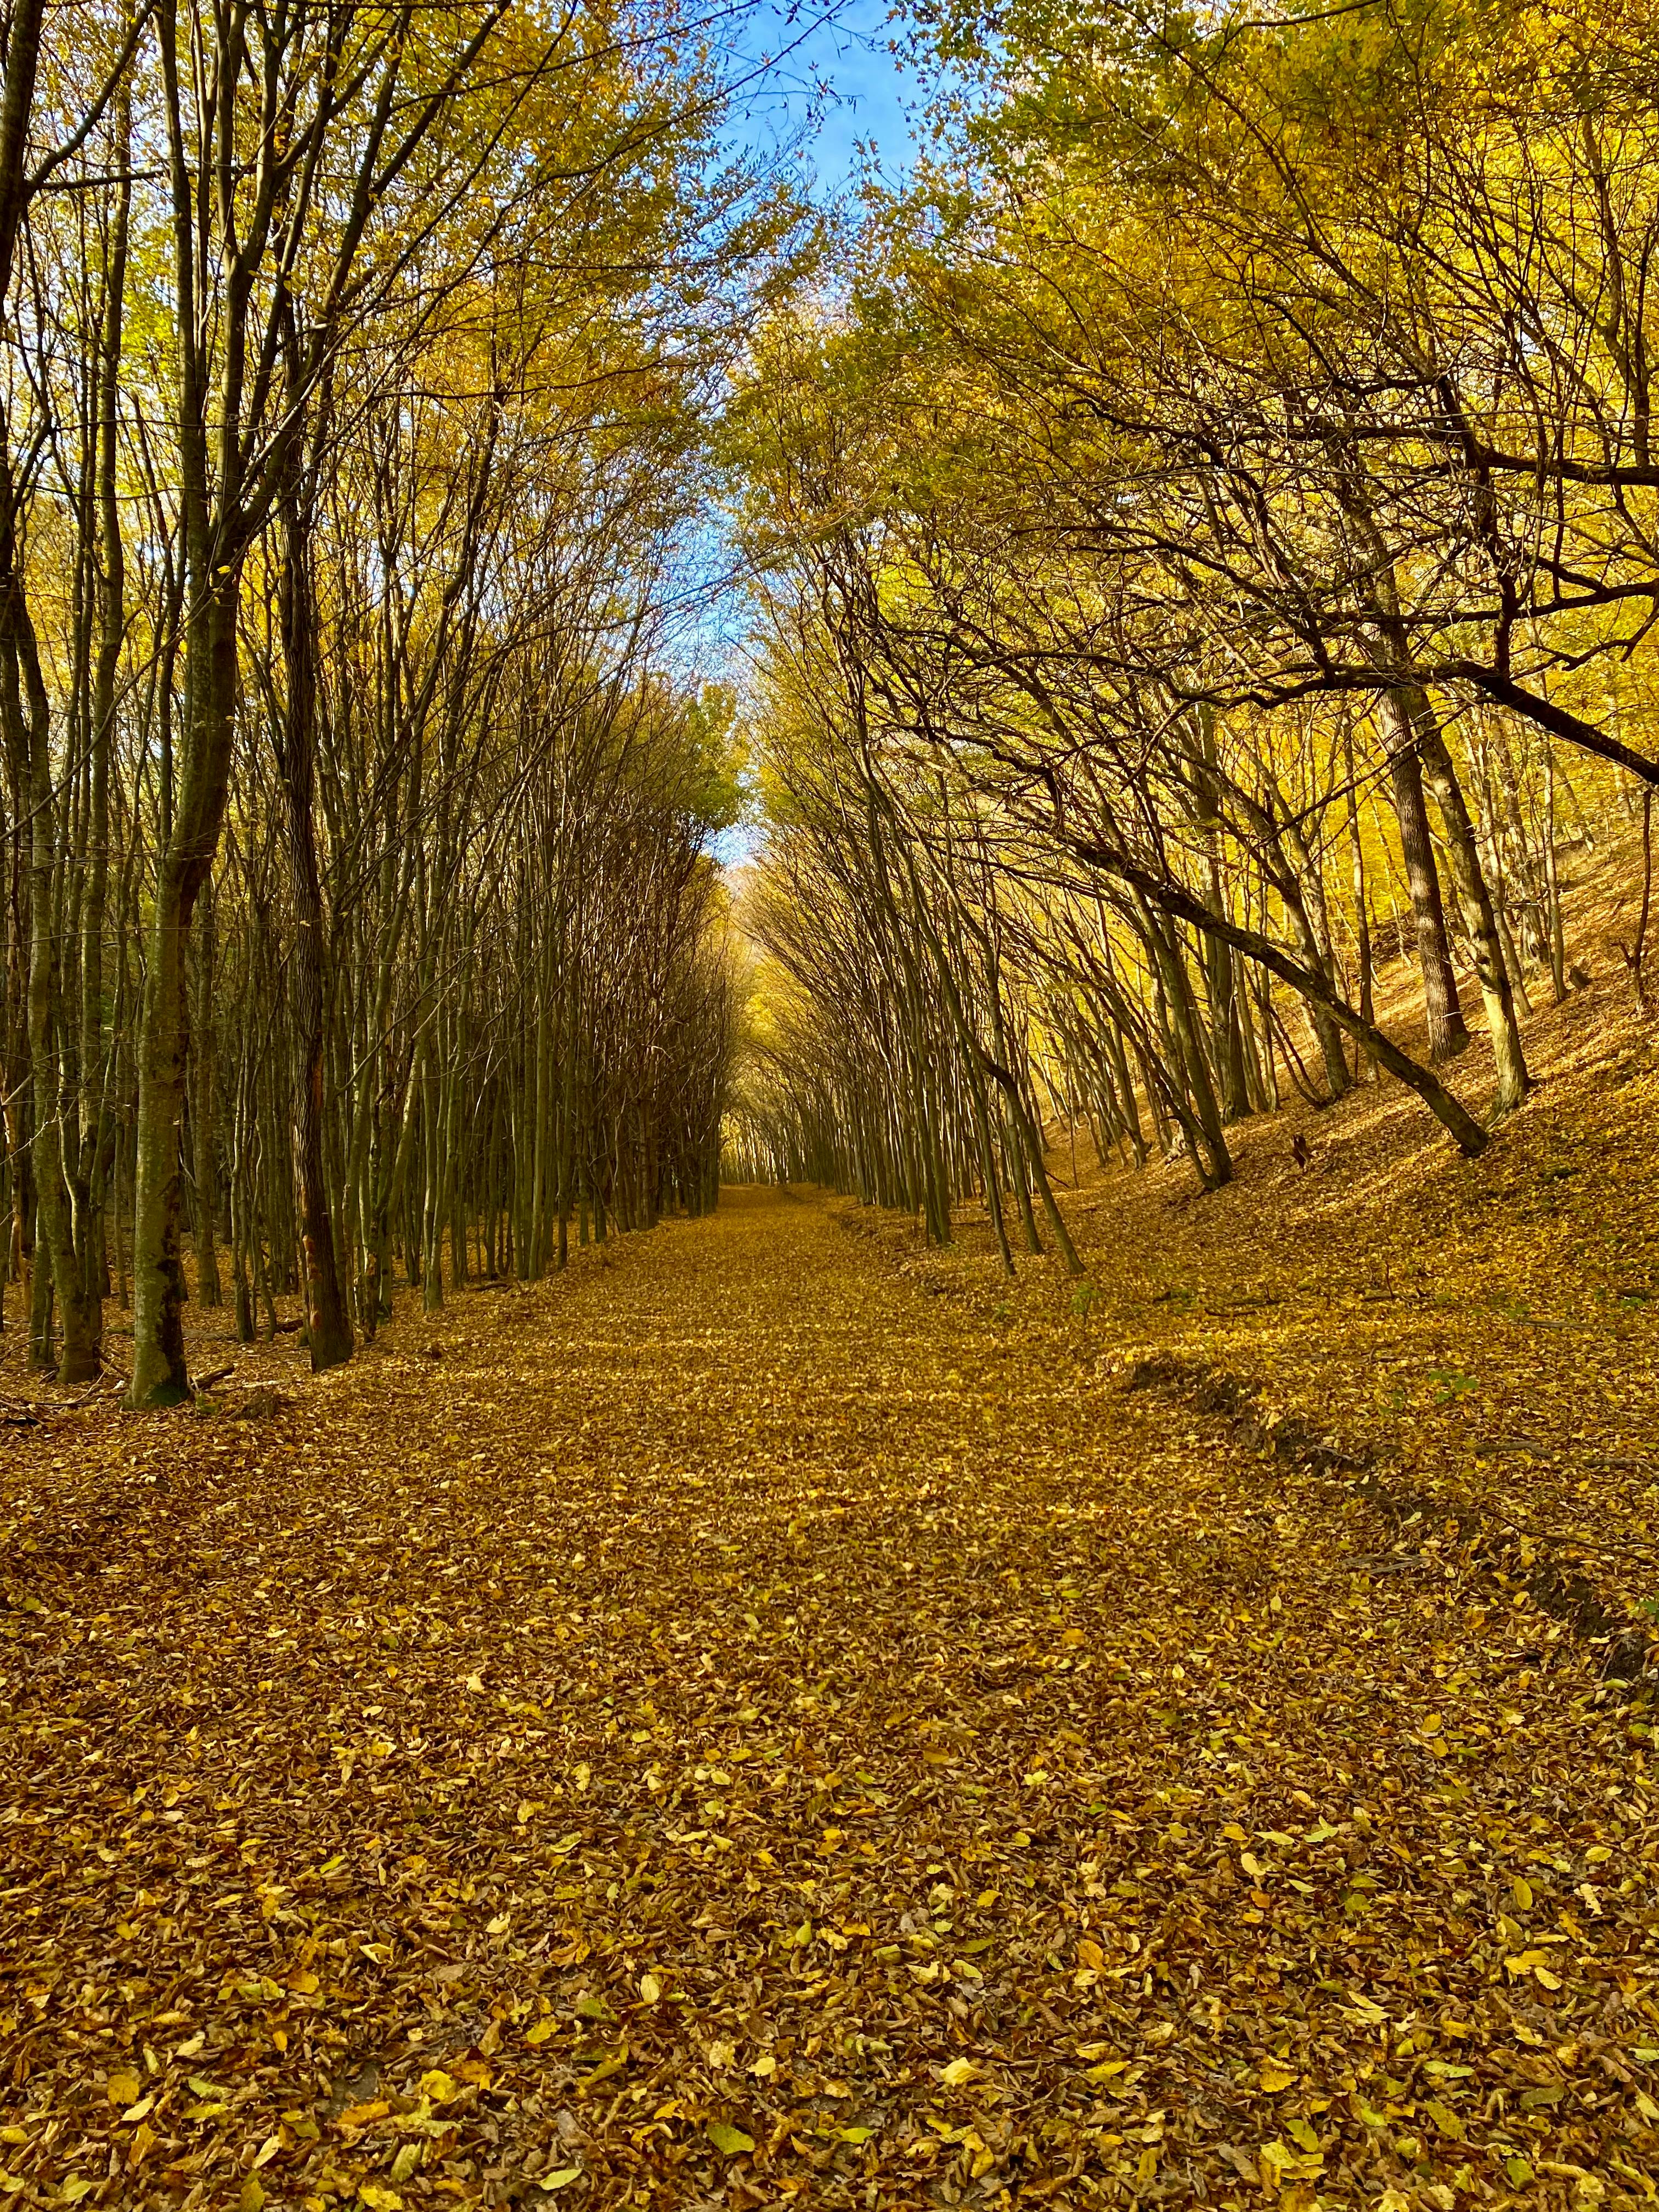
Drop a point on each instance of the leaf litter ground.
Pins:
(774, 1717)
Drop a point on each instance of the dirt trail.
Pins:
(737, 1727)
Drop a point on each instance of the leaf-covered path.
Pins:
(738, 1726)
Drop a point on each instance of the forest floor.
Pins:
(780, 1716)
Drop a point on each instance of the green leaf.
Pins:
(728, 2140)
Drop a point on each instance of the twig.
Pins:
(101, 1386)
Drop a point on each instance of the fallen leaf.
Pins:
(729, 2141)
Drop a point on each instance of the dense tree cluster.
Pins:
(359, 906)
(1209, 554)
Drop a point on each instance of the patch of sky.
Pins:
(822, 78)
(820, 83)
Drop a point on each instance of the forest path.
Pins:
(736, 1727)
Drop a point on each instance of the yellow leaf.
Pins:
(542, 2032)
(1274, 2078)
(122, 2088)
(1526, 1962)
(650, 1988)
(437, 2087)
(1089, 1953)
(958, 2071)
(379, 2198)
(1521, 1890)
(1271, 2159)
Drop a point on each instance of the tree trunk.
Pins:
(159, 1373)
(328, 1325)
(1464, 858)
(208, 1290)
(28, 715)
(1448, 1031)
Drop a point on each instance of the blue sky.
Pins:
(845, 49)
(842, 45)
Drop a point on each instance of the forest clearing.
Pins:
(829, 1106)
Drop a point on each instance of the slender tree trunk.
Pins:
(1448, 1031)
(1463, 857)
(160, 1377)
(27, 711)
(1362, 910)
(202, 1113)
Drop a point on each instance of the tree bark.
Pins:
(78, 1303)
(201, 1065)
(1463, 857)
(328, 1324)
(1449, 1032)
